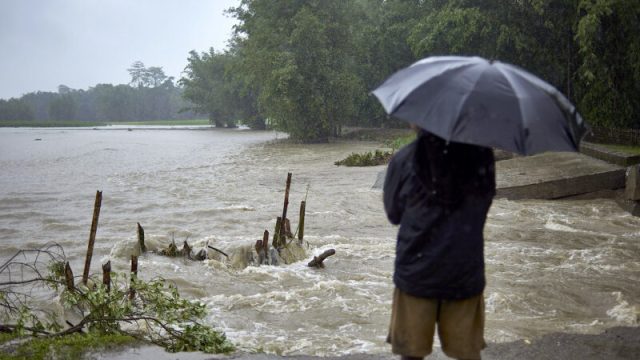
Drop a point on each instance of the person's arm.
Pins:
(393, 202)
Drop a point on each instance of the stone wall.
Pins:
(614, 136)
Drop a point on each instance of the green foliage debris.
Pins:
(73, 346)
(371, 158)
(127, 308)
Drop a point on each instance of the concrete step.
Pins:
(556, 175)
(551, 176)
(604, 153)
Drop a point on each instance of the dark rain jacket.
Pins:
(439, 193)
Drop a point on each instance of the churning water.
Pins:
(551, 265)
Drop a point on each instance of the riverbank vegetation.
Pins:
(73, 346)
(371, 158)
(115, 308)
(307, 67)
(151, 95)
(628, 149)
(187, 122)
(394, 139)
(25, 123)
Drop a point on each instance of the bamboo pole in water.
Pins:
(134, 275)
(286, 204)
(258, 247)
(143, 248)
(287, 230)
(303, 205)
(262, 248)
(68, 276)
(106, 275)
(218, 250)
(92, 236)
(265, 242)
(276, 233)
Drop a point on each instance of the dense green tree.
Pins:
(62, 108)
(609, 71)
(535, 34)
(155, 97)
(142, 76)
(156, 76)
(242, 97)
(381, 30)
(39, 102)
(139, 74)
(300, 56)
(307, 66)
(588, 49)
(15, 110)
(114, 103)
(204, 86)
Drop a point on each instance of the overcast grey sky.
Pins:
(81, 43)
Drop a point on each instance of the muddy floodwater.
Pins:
(569, 266)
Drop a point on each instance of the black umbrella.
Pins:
(487, 103)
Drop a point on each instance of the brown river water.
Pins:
(569, 266)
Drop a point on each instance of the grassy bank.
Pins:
(633, 150)
(191, 122)
(21, 123)
(62, 347)
(390, 138)
(18, 123)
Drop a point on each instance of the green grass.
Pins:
(19, 123)
(633, 150)
(401, 141)
(24, 123)
(65, 347)
(167, 122)
(367, 159)
(378, 157)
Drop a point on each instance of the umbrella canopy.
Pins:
(487, 103)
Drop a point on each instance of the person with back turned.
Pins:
(439, 193)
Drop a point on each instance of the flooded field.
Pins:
(551, 265)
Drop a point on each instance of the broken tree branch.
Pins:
(218, 250)
(317, 260)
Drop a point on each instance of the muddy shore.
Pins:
(618, 343)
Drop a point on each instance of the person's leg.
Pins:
(461, 327)
(413, 322)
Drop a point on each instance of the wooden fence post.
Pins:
(134, 276)
(106, 275)
(276, 233)
(286, 204)
(265, 243)
(68, 276)
(92, 236)
(143, 248)
(303, 205)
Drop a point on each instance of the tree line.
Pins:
(307, 66)
(151, 95)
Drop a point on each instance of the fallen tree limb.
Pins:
(218, 250)
(317, 260)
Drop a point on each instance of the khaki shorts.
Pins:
(460, 326)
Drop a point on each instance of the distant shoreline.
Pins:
(52, 124)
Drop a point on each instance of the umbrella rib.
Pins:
(463, 103)
(507, 77)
